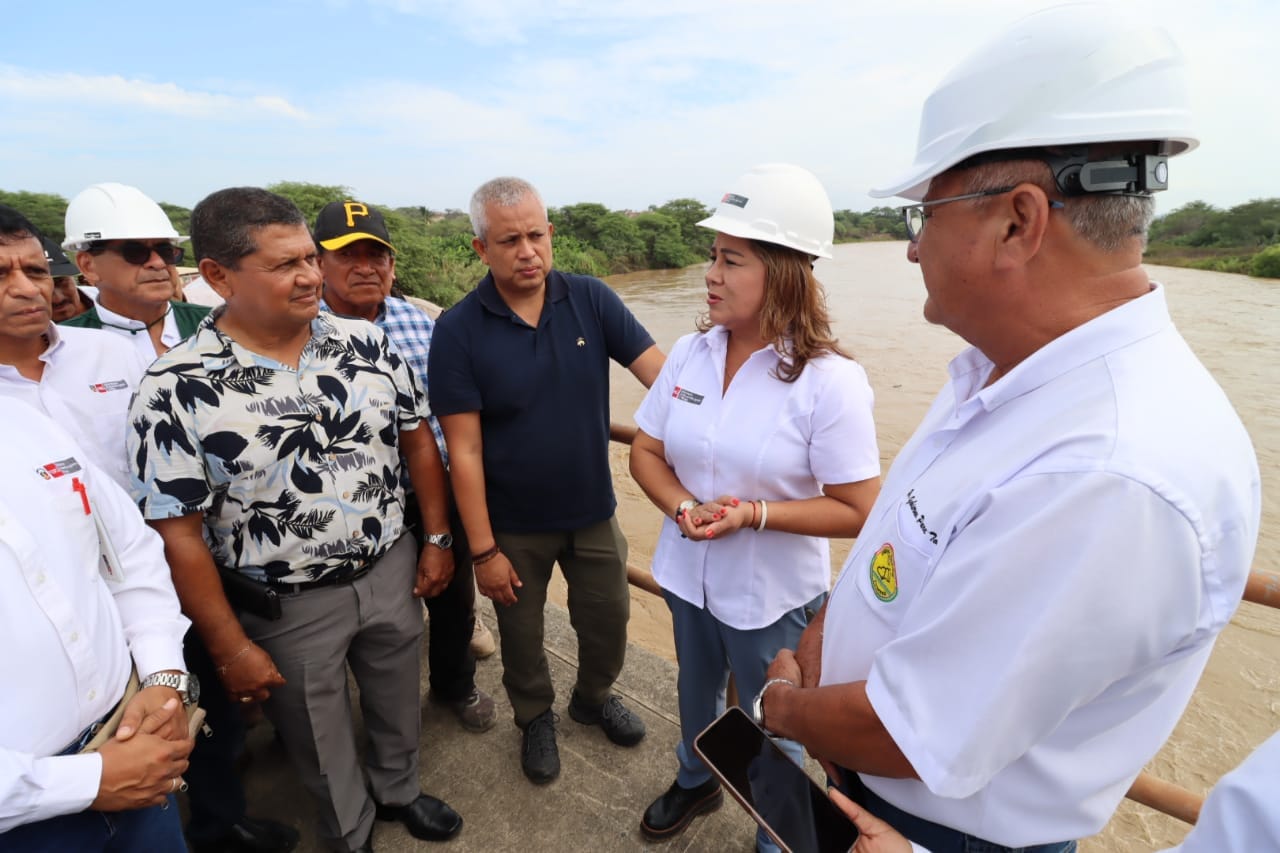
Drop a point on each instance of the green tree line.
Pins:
(1241, 239)
(434, 258)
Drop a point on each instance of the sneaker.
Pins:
(619, 723)
(482, 643)
(475, 711)
(539, 756)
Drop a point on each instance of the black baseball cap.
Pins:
(341, 223)
(58, 263)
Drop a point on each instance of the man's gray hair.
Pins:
(1108, 222)
(504, 192)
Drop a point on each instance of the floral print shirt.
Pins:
(297, 473)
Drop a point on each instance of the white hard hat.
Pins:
(1067, 75)
(115, 212)
(777, 203)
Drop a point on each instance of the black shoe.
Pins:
(620, 724)
(668, 815)
(426, 817)
(251, 835)
(539, 756)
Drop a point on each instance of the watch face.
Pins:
(193, 689)
(441, 540)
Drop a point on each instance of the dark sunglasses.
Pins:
(137, 253)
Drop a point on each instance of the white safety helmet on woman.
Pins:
(113, 211)
(777, 203)
(1059, 78)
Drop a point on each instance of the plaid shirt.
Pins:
(409, 330)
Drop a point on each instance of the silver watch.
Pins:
(757, 707)
(443, 541)
(187, 685)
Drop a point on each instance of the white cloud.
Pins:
(115, 91)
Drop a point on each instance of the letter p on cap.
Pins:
(354, 209)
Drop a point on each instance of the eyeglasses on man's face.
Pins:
(137, 253)
(914, 215)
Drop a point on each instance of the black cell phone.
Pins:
(775, 791)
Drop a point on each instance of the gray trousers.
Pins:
(375, 625)
(594, 563)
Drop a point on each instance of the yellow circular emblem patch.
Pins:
(884, 574)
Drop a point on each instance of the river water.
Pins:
(875, 296)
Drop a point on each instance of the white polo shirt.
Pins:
(135, 331)
(66, 632)
(88, 382)
(1041, 580)
(764, 438)
(1241, 813)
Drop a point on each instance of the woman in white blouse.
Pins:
(757, 442)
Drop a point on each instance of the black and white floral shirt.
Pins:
(297, 473)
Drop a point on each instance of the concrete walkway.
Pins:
(596, 803)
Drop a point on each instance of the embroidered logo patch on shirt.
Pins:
(109, 385)
(686, 396)
(54, 470)
(884, 574)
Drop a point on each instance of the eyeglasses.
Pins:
(914, 214)
(138, 253)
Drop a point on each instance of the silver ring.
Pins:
(246, 699)
(174, 788)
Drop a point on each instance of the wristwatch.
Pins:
(443, 541)
(186, 683)
(683, 507)
(757, 707)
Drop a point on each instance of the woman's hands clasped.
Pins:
(718, 518)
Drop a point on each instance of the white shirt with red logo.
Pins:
(763, 438)
(1039, 584)
(88, 382)
(67, 632)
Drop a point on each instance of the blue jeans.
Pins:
(933, 836)
(157, 829)
(707, 651)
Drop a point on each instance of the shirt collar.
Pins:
(169, 334)
(219, 352)
(717, 340)
(1134, 320)
(56, 343)
(487, 292)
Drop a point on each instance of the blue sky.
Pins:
(627, 103)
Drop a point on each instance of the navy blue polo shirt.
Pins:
(542, 394)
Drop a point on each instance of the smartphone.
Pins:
(775, 791)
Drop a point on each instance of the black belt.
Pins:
(334, 578)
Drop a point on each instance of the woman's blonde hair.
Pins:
(793, 314)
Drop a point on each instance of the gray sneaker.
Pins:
(619, 722)
(475, 711)
(539, 755)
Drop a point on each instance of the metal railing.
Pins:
(1261, 588)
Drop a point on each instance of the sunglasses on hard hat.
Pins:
(138, 253)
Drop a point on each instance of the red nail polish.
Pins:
(735, 501)
(710, 533)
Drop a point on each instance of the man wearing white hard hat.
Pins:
(1038, 587)
(125, 246)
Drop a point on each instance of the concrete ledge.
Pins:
(596, 803)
